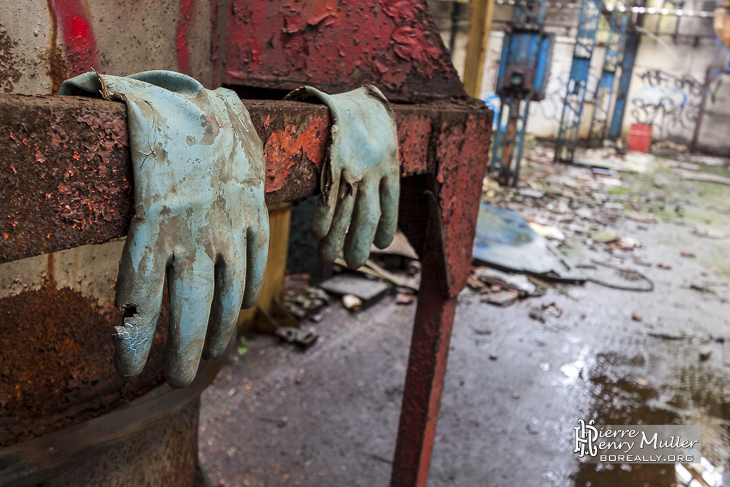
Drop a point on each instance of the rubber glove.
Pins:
(199, 217)
(360, 180)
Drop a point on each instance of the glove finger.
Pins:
(332, 243)
(325, 210)
(365, 218)
(229, 278)
(257, 255)
(389, 196)
(191, 286)
(139, 290)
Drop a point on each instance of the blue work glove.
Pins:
(361, 175)
(199, 217)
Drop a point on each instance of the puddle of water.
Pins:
(690, 393)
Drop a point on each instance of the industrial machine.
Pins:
(523, 72)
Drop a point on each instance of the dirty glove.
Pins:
(361, 176)
(199, 217)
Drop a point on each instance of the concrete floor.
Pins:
(515, 387)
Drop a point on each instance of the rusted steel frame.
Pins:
(40, 459)
(65, 171)
(438, 214)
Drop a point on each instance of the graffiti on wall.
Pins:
(670, 103)
(551, 108)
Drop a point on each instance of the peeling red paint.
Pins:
(187, 9)
(283, 147)
(79, 42)
(62, 201)
(462, 152)
(413, 156)
(339, 45)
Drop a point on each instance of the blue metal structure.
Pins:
(627, 68)
(523, 72)
(576, 90)
(604, 91)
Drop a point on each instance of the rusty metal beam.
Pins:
(65, 181)
(65, 172)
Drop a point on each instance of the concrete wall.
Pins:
(666, 86)
(44, 42)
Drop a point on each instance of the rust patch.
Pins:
(9, 73)
(338, 46)
(75, 181)
(56, 64)
(462, 153)
(65, 169)
(414, 133)
(57, 366)
(285, 147)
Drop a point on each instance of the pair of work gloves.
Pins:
(200, 217)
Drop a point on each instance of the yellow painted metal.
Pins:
(480, 25)
(279, 220)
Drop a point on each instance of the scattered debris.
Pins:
(705, 353)
(638, 217)
(402, 298)
(626, 275)
(705, 177)
(302, 337)
(547, 231)
(352, 302)
(504, 297)
(545, 312)
(711, 288)
(604, 236)
(304, 301)
(413, 268)
(504, 239)
(664, 266)
(399, 246)
(517, 282)
(475, 284)
(667, 334)
(367, 291)
(625, 243)
(689, 255)
(481, 329)
(372, 269)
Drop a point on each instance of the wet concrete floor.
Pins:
(515, 387)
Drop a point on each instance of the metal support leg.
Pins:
(426, 369)
(438, 214)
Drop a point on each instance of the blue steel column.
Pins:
(604, 91)
(576, 90)
(622, 92)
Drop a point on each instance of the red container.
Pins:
(639, 137)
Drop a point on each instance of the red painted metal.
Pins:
(78, 35)
(426, 369)
(65, 168)
(187, 8)
(448, 210)
(338, 45)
